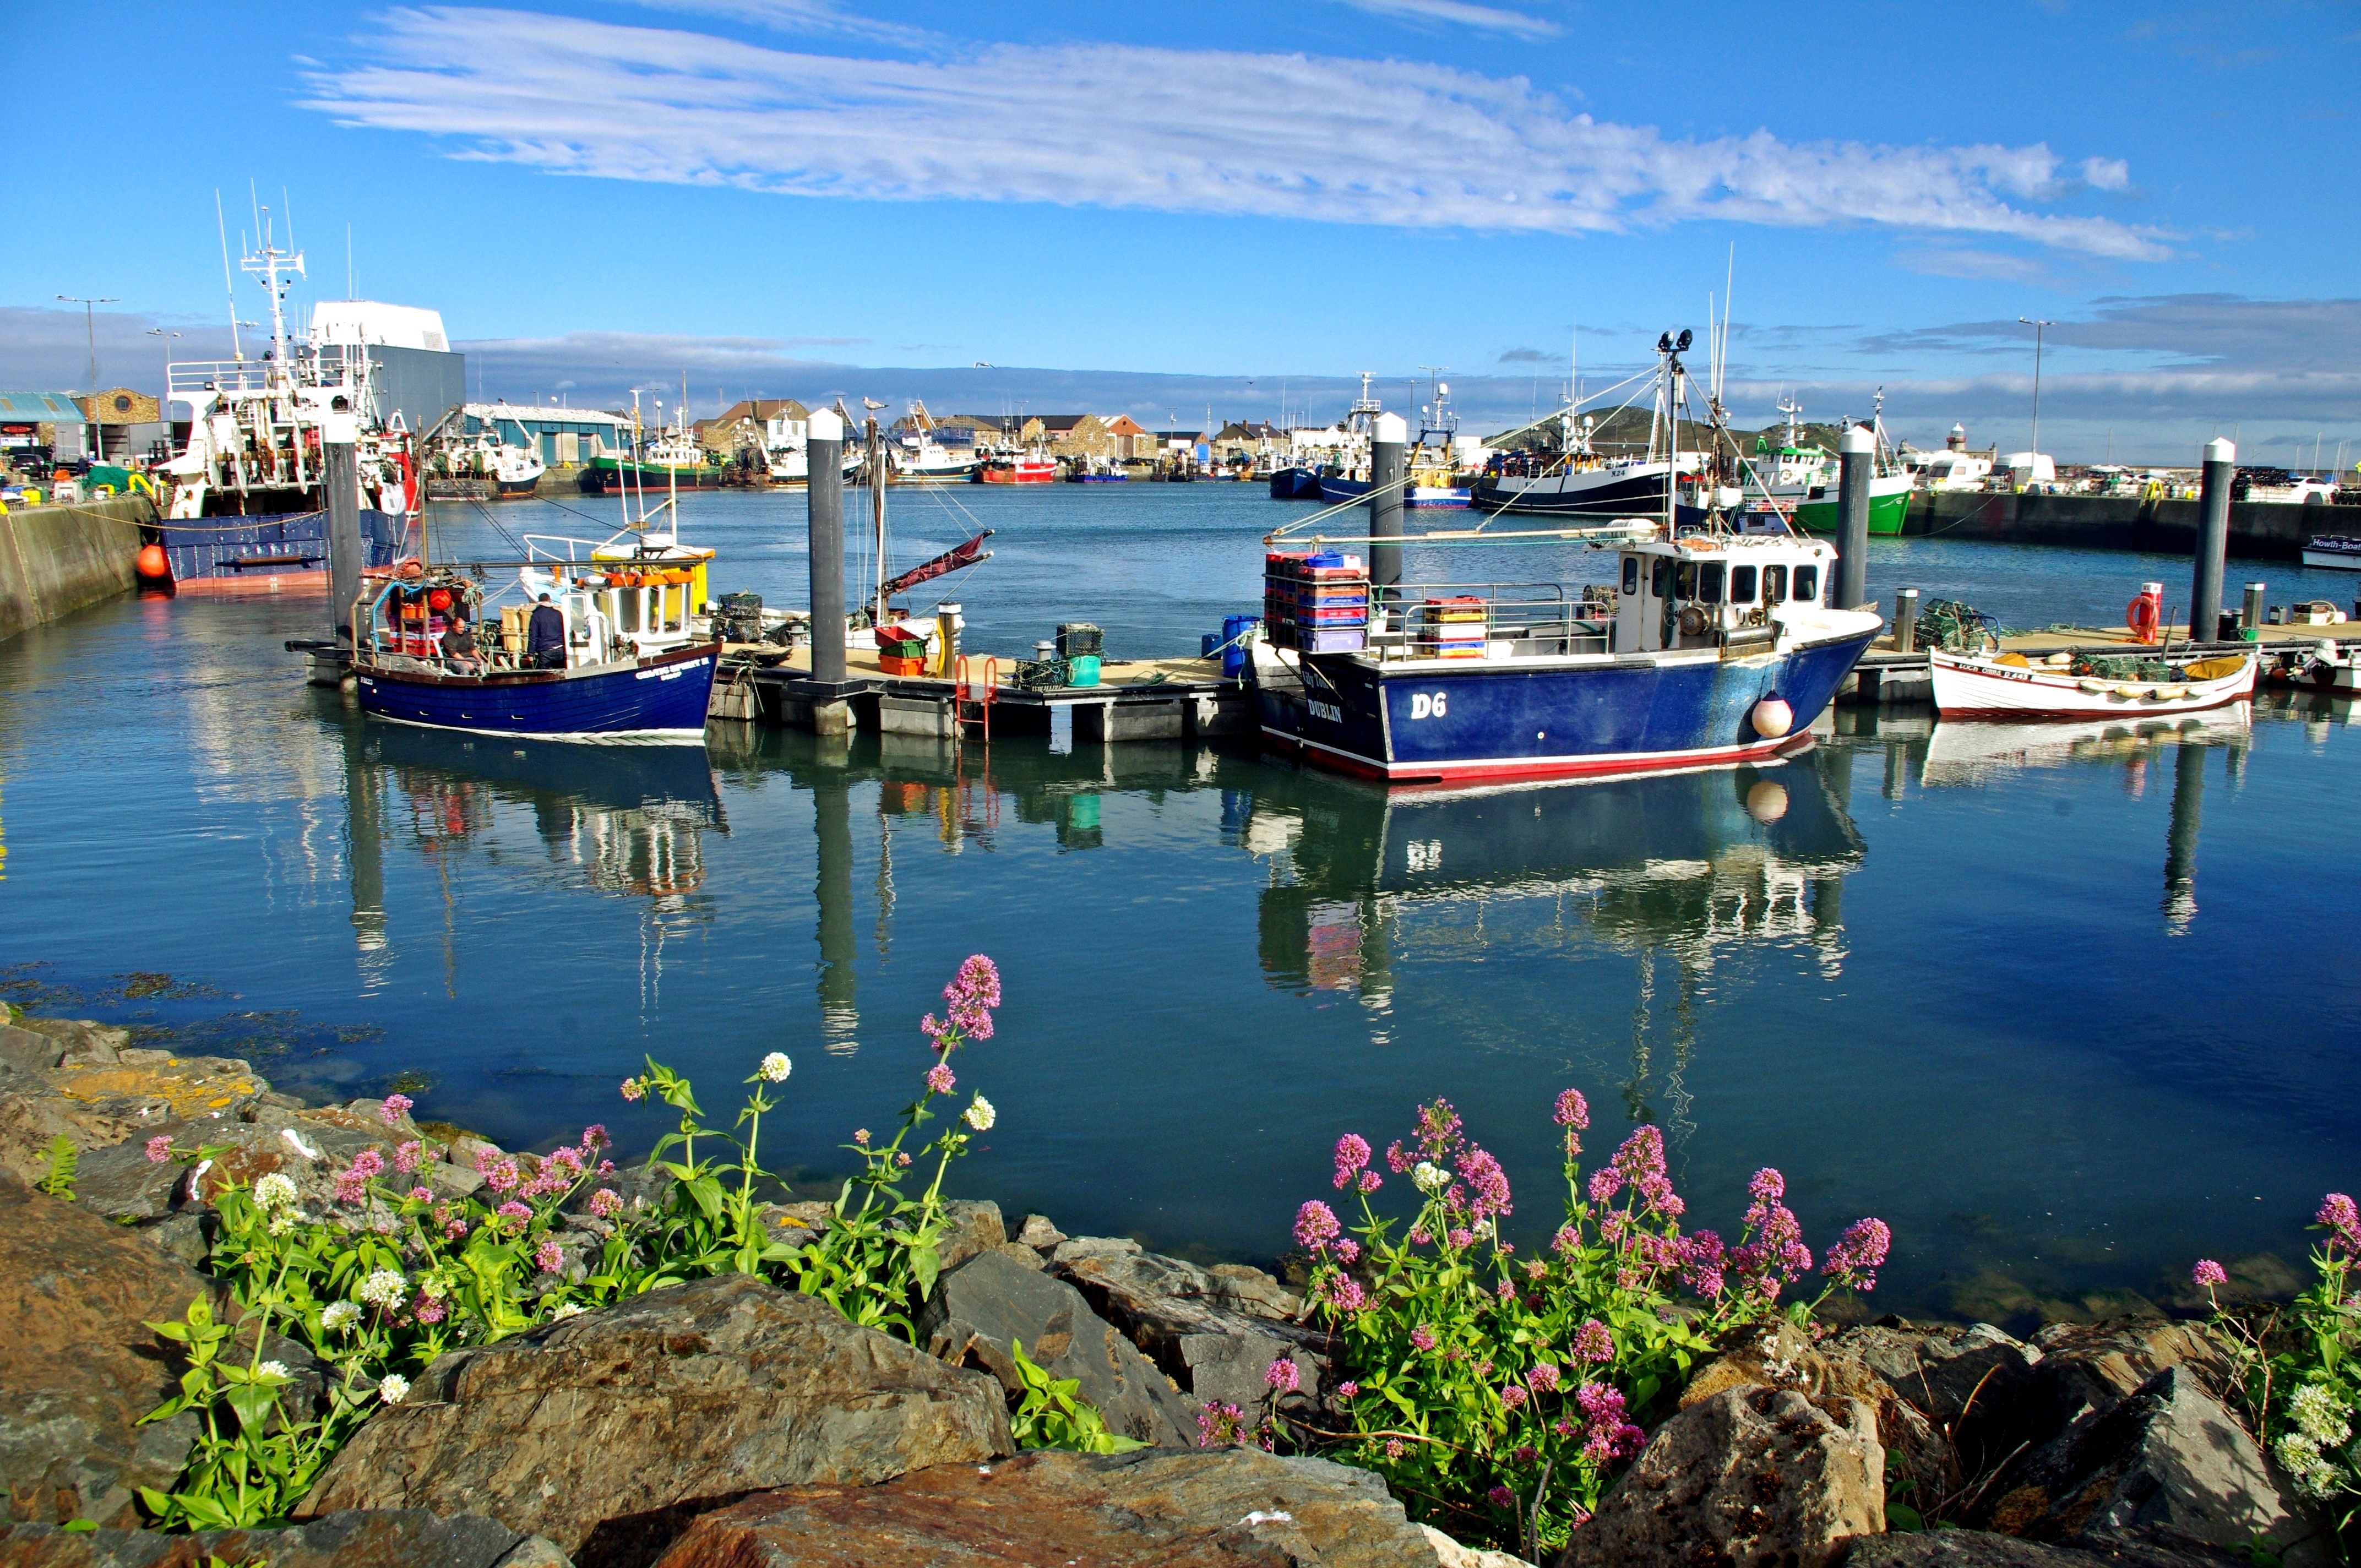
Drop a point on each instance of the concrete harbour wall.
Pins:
(56, 559)
(2263, 530)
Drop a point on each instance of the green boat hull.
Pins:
(1885, 514)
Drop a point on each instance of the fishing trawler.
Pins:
(1890, 484)
(1035, 467)
(1579, 481)
(506, 472)
(1432, 479)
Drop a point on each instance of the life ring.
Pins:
(2140, 615)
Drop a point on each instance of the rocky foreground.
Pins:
(726, 1423)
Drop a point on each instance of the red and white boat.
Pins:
(1020, 468)
(2011, 686)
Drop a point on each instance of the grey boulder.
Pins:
(1753, 1475)
(407, 1539)
(980, 1309)
(606, 1431)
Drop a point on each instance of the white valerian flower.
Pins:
(282, 1223)
(275, 1369)
(775, 1067)
(2320, 1415)
(383, 1289)
(339, 1316)
(1430, 1177)
(393, 1388)
(273, 1191)
(980, 1115)
(570, 1310)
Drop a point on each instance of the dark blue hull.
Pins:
(1478, 720)
(233, 548)
(662, 698)
(1295, 485)
(1333, 490)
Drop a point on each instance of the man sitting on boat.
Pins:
(545, 642)
(459, 644)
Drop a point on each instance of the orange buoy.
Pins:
(439, 599)
(152, 563)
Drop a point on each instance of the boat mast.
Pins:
(876, 459)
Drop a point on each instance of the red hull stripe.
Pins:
(1514, 769)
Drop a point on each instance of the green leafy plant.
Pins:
(1050, 1414)
(63, 1163)
(1498, 1394)
(2299, 1371)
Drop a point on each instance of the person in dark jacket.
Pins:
(544, 640)
(459, 644)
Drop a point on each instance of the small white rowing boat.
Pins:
(2009, 686)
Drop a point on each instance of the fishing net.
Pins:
(1953, 626)
(2123, 668)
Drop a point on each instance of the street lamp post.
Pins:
(2037, 327)
(90, 330)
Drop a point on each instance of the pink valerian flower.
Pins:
(1220, 1424)
(1398, 1162)
(1573, 1113)
(940, 1079)
(1600, 1402)
(1766, 1186)
(1859, 1254)
(1418, 1236)
(498, 1171)
(1565, 1241)
(430, 1308)
(1594, 1343)
(1536, 1269)
(2209, 1273)
(549, 1257)
(1438, 1131)
(1352, 1158)
(2341, 1220)
(1507, 1290)
(1282, 1377)
(1316, 1226)
(595, 1136)
(1489, 1182)
(395, 1108)
(902, 1160)
(1422, 1337)
(1343, 1293)
(421, 1195)
(352, 1183)
(1393, 1448)
(512, 1209)
(1348, 1250)
(633, 1089)
(1501, 1497)
(1542, 1378)
(407, 1156)
(1348, 1389)
(606, 1203)
(1563, 1427)
(159, 1149)
(1513, 1396)
(1702, 1268)
(1483, 1369)
(1460, 1238)
(1370, 1181)
(1526, 1454)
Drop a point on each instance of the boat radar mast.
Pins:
(269, 265)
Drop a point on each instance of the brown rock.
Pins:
(2087, 1367)
(606, 1432)
(100, 1103)
(408, 1539)
(1232, 1508)
(78, 1368)
(1163, 1303)
(1977, 1385)
(1977, 1549)
(1749, 1476)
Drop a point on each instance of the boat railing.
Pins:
(1535, 618)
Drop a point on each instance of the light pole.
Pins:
(2037, 327)
(90, 330)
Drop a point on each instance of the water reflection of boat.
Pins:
(1977, 753)
(1690, 862)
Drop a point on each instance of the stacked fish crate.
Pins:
(1317, 603)
(1453, 628)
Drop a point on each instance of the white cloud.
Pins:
(817, 16)
(1459, 13)
(1280, 135)
(2106, 174)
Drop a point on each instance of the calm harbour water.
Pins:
(2066, 1012)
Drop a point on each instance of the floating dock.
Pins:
(1136, 699)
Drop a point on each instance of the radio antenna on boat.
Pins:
(229, 283)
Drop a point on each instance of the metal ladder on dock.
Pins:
(971, 702)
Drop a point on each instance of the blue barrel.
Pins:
(1233, 644)
(1211, 646)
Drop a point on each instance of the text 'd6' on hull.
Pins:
(1481, 721)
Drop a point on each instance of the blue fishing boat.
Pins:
(1716, 649)
(629, 658)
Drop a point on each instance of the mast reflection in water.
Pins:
(1680, 866)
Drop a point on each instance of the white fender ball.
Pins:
(1772, 718)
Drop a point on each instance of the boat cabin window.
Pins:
(1660, 578)
(628, 603)
(1708, 582)
(1807, 584)
(1630, 574)
(1774, 584)
(1741, 585)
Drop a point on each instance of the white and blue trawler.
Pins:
(1716, 649)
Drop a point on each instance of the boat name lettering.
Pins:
(1327, 711)
(1428, 704)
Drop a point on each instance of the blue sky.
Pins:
(1160, 209)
